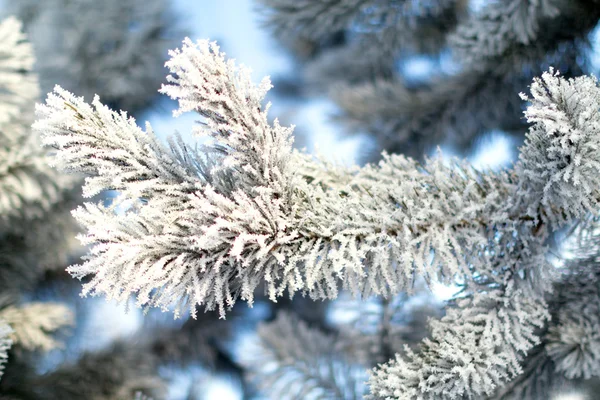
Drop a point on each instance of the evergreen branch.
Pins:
(558, 159)
(455, 109)
(297, 362)
(202, 81)
(5, 344)
(110, 148)
(33, 323)
(499, 26)
(18, 87)
(75, 51)
(317, 19)
(211, 235)
(506, 27)
(481, 343)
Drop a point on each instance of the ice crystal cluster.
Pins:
(207, 224)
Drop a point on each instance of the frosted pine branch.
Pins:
(480, 343)
(77, 52)
(33, 323)
(207, 227)
(501, 25)
(18, 87)
(35, 225)
(565, 117)
(407, 120)
(294, 361)
(562, 147)
(231, 103)
(110, 149)
(316, 19)
(5, 344)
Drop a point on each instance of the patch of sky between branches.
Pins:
(199, 383)
(421, 69)
(595, 50)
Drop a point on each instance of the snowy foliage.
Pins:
(33, 323)
(496, 51)
(206, 225)
(315, 19)
(296, 362)
(561, 161)
(18, 89)
(32, 195)
(93, 47)
(472, 350)
(5, 344)
(499, 26)
(35, 228)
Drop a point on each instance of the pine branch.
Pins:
(5, 344)
(75, 51)
(499, 50)
(33, 323)
(506, 27)
(316, 19)
(482, 342)
(18, 86)
(564, 135)
(297, 362)
(453, 109)
(479, 344)
(208, 230)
